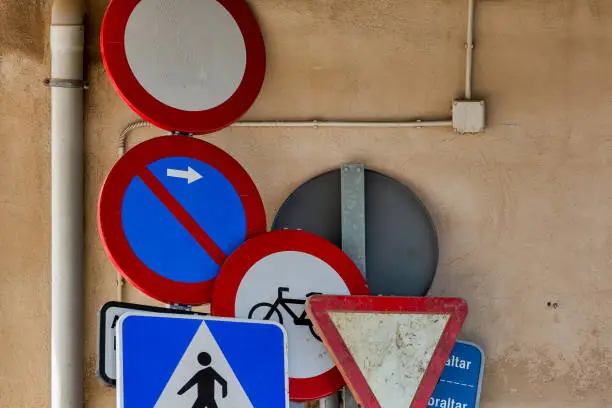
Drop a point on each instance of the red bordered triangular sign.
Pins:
(390, 350)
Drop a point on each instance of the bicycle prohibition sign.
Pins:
(266, 311)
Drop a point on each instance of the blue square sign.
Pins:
(461, 380)
(175, 361)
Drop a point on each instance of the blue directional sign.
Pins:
(176, 361)
(461, 380)
(171, 211)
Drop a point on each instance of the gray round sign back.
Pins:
(401, 239)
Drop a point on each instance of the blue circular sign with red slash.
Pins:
(171, 210)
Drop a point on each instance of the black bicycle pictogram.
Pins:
(265, 311)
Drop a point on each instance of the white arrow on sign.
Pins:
(190, 174)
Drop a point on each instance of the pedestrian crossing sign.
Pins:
(176, 361)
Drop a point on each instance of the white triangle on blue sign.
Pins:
(189, 368)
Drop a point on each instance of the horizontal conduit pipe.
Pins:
(122, 142)
(336, 124)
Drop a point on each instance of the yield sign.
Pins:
(390, 350)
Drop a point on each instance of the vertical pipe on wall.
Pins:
(469, 47)
(67, 204)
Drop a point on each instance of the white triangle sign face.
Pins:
(189, 364)
(390, 350)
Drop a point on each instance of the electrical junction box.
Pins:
(469, 116)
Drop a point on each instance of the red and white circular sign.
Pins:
(269, 278)
(170, 212)
(184, 65)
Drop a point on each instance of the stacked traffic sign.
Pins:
(390, 350)
(270, 278)
(191, 66)
(171, 210)
(174, 208)
(184, 223)
(172, 361)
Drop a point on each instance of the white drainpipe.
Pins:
(67, 203)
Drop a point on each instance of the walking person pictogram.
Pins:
(205, 379)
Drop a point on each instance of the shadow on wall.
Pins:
(24, 27)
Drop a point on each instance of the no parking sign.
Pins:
(170, 212)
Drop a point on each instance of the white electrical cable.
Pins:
(336, 124)
(303, 124)
(469, 49)
(121, 149)
(122, 144)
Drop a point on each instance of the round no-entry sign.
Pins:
(184, 65)
(269, 278)
(171, 210)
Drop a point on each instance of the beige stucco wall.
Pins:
(523, 210)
